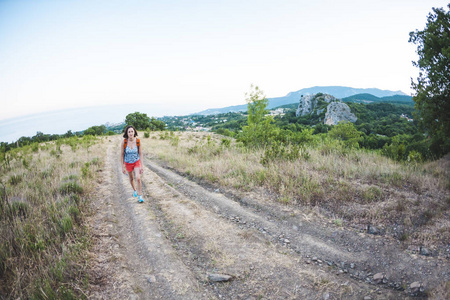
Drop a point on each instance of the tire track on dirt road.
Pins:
(355, 255)
(209, 242)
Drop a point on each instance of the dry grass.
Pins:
(44, 198)
(359, 186)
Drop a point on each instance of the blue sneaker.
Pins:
(134, 194)
(140, 199)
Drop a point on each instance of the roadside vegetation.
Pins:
(409, 201)
(45, 191)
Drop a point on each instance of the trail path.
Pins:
(171, 246)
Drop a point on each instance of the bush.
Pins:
(15, 179)
(347, 133)
(225, 143)
(396, 150)
(70, 188)
(280, 151)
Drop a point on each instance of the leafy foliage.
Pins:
(156, 125)
(139, 120)
(95, 130)
(347, 133)
(260, 130)
(432, 98)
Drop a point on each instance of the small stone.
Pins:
(326, 296)
(219, 277)
(352, 265)
(372, 230)
(151, 278)
(314, 258)
(415, 287)
(424, 251)
(378, 277)
(367, 298)
(287, 241)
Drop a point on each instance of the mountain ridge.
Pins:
(339, 92)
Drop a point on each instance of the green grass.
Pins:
(43, 204)
(356, 185)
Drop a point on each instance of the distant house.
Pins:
(276, 112)
(200, 128)
(406, 117)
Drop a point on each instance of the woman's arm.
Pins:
(122, 156)
(141, 157)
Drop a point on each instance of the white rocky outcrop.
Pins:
(308, 103)
(337, 112)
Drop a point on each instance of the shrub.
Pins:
(19, 209)
(35, 147)
(395, 150)
(174, 141)
(414, 157)
(85, 171)
(15, 179)
(70, 188)
(347, 133)
(372, 194)
(280, 151)
(225, 143)
(95, 161)
(65, 225)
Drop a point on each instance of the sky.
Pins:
(195, 55)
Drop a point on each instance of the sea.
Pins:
(79, 119)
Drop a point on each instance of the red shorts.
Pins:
(130, 167)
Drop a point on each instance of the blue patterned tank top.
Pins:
(131, 155)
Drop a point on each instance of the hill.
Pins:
(339, 92)
(368, 98)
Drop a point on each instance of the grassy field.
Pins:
(44, 199)
(46, 191)
(409, 201)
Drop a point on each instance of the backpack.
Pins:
(125, 142)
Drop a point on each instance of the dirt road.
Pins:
(186, 236)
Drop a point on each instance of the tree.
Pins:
(432, 98)
(95, 130)
(138, 120)
(256, 105)
(346, 132)
(156, 125)
(260, 130)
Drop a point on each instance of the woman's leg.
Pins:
(137, 171)
(130, 175)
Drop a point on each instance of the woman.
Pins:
(131, 159)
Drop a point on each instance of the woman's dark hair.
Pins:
(125, 135)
